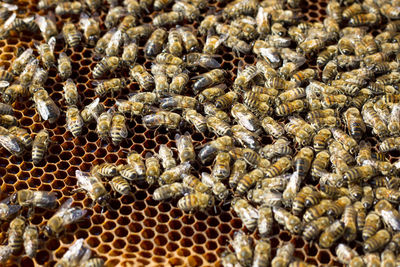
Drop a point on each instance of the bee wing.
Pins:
(10, 144)
(75, 251)
(52, 43)
(64, 207)
(208, 179)
(74, 214)
(92, 106)
(84, 180)
(9, 7)
(4, 84)
(41, 22)
(209, 62)
(391, 219)
(43, 109)
(9, 21)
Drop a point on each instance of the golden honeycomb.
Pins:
(139, 231)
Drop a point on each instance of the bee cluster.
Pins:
(320, 177)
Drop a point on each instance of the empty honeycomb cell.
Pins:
(198, 249)
(119, 244)
(323, 257)
(146, 245)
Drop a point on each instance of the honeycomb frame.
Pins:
(139, 231)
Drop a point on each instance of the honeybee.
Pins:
(349, 219)
(71, 94)
(139, 32)
(114, 85)
(316, 211)
(103, 41)
(302, 161)
(155, 42)
(127, 22)
(40, 146)
(242, 245)
(372, 225)
(313, 228)
(284, 255)
(13, 92)
(132, 108)
(211, 111)
(118, 131)
(18, 65)
(46, 107)
(76, 254)
(178, 84)
(142, 77)
(113, 16)
(166, 156)
(114, 44)
(389, 144)
(135, 160)
(221, 168)
(247, 213)
(207, 24)
(6, 76)
(279, 167)
(229, 259)
(218, 126)
(208, 79)
(74, 121)
(377, 241)
(91, 29)
(107, 64)
(129, 55)
(301, 130)
(245, 137)
(128, 171)
(299, 201)
(394, 122)
(388, 214)
(348, 142)
(196, 201)
(218, 189)
(289, 108)
(189, 39)
(244, 117)
(71, 34)
(391, 195)
(64, 66)
(93, 110)
(189, 11)
(185, 147)
(104, 125)
(64, 216)
(345, 254)
(238, 170)
(168, 18)
(29, 198)
(27, 75)
(167, 191)
(15, 234)
(8, 120)
(262, 253)
(47, 26)
(168, 119)
(331, 234)
(272, 127)
(280, 148)
(194, 183)
(360, 172)
(338, 206)
(226, 100)
(196, 119)
(93, 186)
(320, 163)
(174, 43)
(31, 240)
(304, 76)
(69, 8)
(354, 123)
(325, 56)
(120, 185)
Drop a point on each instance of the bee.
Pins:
(93, 110)
(301, 130)
(262, 253)
(229, 259)
(64, 216)
(27, 74)
(142, 77)
(196, 119)
(245, 137)
(272, 127)
(244, 117)
(194, 183)
(326, 55)
(316, 211)
(238, 170)
(31, 240)
(93, 186)
(245, 76)
(118, 130)
(178, 84)
(289, 108)
(107, 64)
(226, 100)
(314, 228)
(69, 8)
(388, 214)
(247, 213)
(369, 19)
(280, 148)
(371, 226)
(168, 119)
(114, 85)
(311, 46)
(345, 254)
(166, 156)
(349, 218)
(218, 189)
(74, 121)
(153, 168)
(394, 243)
(76, 254)
(113, 16)
(299, 201)
(196, 201)
(394, 122)
(120, 185)
(47, 26)
(114, 44)
(127, 172)
(167, 191)
(8, 121)
(136, 161)
(6, 75)
(284, 255)
(132, 108)
(242, 245)
(155, 42)
(139, 32)
(391, 195)
(129, 55)
(218, 126)
(15, 234)
(208, 79)
(349, 143)
(377, 241)
(40, 146)
(303, 76)
(169, 18)
(338, 206)
(29, 198)
(354, 123)
(127, 22)
(64, 66)
(360, 172)
(373, 120)
(279, 167)
(221, 168)
(174, 43)
(103, 42)
(302, 161)
(91, 29)
(46, 107)
(46, 51)
(331, 234)
(103, 127)
(189, 39)
(71, 34)
(185, 147)
(330, 70)
(18, 65)
(320, 163)
(71, 94)
(188, 10)
(208, 23)
(248, 180)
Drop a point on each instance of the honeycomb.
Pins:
(139, 230)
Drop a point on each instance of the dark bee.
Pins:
(155, 42)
